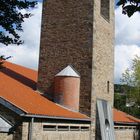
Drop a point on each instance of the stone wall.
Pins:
(64, 136)
(6, 136)
(38, 133)
(25, 130)
(103, 58)
(126, 134)
(16, 135)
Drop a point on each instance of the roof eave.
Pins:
(12, 107)
(127, 123)
(55, 117)
(23, 113)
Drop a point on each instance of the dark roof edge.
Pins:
(54, 117)
(10, 106)
(127, 123)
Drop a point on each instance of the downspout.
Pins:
(31, 129)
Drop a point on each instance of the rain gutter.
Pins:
(55, 117)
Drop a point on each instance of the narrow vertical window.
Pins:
(105, 9)
(108, 84)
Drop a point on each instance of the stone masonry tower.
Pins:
(78, 33)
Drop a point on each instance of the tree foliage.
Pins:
(131, 78)
(120, 101)
(11, 19)
(2, 59)
(129, 7)
(131, 82)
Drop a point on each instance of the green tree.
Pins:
(129, 7)
(11, 19)
(131, 81)
(119, 101)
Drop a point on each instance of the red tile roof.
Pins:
(17, 85)
(123, 117)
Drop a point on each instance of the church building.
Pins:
(71, 95)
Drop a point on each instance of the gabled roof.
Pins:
(17, 85)
(122, 117)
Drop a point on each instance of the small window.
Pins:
(116, 127)
(74, 128)
(63, 128)
(49, 127)
(108, 86)
(120, 128)
(84, 128)
(105, 9)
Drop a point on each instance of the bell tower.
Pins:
(79, 33)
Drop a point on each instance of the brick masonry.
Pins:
(66, 38)
(75, 32)
(66, 92)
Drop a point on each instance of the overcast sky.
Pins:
(127, 44)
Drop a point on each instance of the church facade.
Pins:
(71, 95)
